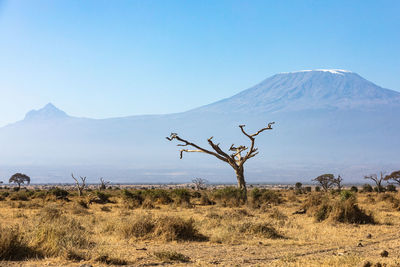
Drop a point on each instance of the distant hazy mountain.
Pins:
(326, 121)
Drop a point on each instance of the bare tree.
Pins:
(80, 186)
(326, 181)
(338, 182)
(103, 184)
(20, 178)
(236, 160)
(378, 180)
(199, 183)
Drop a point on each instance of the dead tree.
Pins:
(394, 176)
(338, 182)
(199, 183)
(236, 160)
(103, 184)
(80, 186)
(378, 181)
(326, 181)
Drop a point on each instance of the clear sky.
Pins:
(116, 58)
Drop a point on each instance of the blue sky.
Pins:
(116, 58)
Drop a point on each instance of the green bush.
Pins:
(229, 196)
(59, 193)
(264, 196)
(367, 188)
(354, 189)
(391, 188)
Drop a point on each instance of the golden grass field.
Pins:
(184, 228)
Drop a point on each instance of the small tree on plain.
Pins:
(103, 184)
(394, 176)
(377, 180)
(80, 186)
(20, 178)
(199, 183)
(236, 160)
(326, 181)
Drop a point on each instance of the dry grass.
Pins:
(153, 227)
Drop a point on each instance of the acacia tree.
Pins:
(326, 181)
(378, 180)
(236, 160)
(395, 176)
(20, 178)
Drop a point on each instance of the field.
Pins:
(210, 227)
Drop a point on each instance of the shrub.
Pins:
(354, 189)
(367, 188)
(391, 188)
(181, 196)
(167, 228)
(59, 193)
(175, 228)
(102, 198)
(344, 209)
(168, 256)
(260, 229)
(13, 246)
(229, 196)
(347, 211)
(159, 196)
(346, 194)
(20, 196)
(307, 189)
(133, 199)
(59, 236)
(205, 200)
(264, 196)
(140, 226)
(317, 189)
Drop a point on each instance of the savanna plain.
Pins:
(300, 226)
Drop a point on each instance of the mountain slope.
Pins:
(319, 89)
(326, 121)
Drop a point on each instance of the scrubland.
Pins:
(185, 227)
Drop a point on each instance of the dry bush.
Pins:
(167, 228)
(107, 259)
(390, 198)
(20, 196)
(261, 229)
(170, 256)
(344, 209)
(278, 215)
(140, 226)
(347, 211)
(13, 246)
(182, 197)
(260, 197)
(175, 228)
(228, 196)
(59, 235)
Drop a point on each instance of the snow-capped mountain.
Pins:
(326, 121)
(301, 90)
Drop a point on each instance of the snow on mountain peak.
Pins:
(333, 71)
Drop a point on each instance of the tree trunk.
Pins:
(241, 182)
